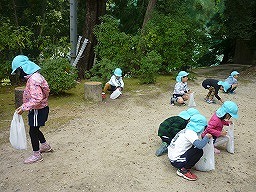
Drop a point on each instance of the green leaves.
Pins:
(60, 75)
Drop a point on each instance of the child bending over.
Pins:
(232, 80)
(115, 82)
(214, 86)
(186, 147)
(171, 126)
(220, 118)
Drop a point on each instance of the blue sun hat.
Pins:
(229, 107)
(23, 61)
(180, 75)
(197, 123)
(184, 115)
(225, 85)
(118, 72)
(234, 73)
(192, 111)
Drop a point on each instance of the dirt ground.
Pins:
(110, 146)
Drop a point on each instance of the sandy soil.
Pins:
(110, 146)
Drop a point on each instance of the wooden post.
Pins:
(18, 96)
(93, 90)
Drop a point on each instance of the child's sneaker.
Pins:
(34, 158)
(210, 101)
(217, 151)
(103, 95)
(45, 148)
(172, 101)
(186, 174)
(163, 149)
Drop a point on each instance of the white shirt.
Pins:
(116, 82)
(180, 88)
(182, 142)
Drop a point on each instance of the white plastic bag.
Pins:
(115, 94)
(191, 102)
(230, 135)
(17, 132)
(206, 162)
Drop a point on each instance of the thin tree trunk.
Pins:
(150, 8)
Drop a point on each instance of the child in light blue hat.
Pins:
(181, 90)
(171, 126)
(35, 102)
(232, 80)
(213, 86)
(186, 148)
(115, 82)
(220, 118)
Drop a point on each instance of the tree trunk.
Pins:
(94, 9)
(150, 8)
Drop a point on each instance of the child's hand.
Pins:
(223, 133)
(208, 135)
(230, 122)
(19, 110)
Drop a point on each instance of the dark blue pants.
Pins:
(37, 118)
(191, 156)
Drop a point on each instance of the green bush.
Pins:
(115, 46)
(103, 70)
(149, 67)
(60, 75)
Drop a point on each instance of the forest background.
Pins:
(143, 37)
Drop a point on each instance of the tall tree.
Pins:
(150, 8)
(94, 10)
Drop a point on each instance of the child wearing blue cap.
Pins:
(186, 148)
(181, 90)
(213, 87)
(171, 126)
(35, 102)
(220, 118)
(232, 80)
(115, 82)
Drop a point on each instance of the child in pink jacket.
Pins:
(220, 118)
(35, 101)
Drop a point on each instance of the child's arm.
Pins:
(211, 128)
(113, 81)
(201, 143)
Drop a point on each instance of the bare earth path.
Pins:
(110, 146)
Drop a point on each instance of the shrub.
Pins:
(149, 67)
(103, 70)
(60, 75)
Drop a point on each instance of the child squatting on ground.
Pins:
(232, 80)
(35, 101)
(181, 90)
(220, 118)
(171, 126)
(214, 86)
(186, 148)
(115, 82)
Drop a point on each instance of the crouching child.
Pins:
(186, 147)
